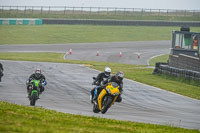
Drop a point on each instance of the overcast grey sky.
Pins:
(150, 4)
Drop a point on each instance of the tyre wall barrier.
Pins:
(119, 22)
(17, 21)
(164, 68)
(185, 62)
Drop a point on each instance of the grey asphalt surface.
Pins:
(109, 52)
(69, 86)
(68, 91)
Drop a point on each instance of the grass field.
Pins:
(104, 15)
(22, 119)
(52, 34)
(133, 72)
(160, 58)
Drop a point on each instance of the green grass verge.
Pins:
(23, 119)
(110, 15)
(160, 58)
(134, 72)
(53, 34)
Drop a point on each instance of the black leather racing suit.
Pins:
(100, 77)
(41, 78)
(120, 83)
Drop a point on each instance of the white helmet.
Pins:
(107, 71)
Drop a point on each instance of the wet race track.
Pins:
(69, 86)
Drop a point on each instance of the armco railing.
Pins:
(96, 10)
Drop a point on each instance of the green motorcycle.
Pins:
(34, 91)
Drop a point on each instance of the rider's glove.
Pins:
(93, 83)
(44, 83)
(27, 81)
(102, 83)
(97, 83)
(30, 79)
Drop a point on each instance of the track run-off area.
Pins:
(69, 85)
(109, 51)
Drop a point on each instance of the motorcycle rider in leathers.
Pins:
(118, 78)
(36, 76)
(100, 77)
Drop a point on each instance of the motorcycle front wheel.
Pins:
(106, 104)
(33, 99)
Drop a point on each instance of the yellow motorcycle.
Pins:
(106, 98)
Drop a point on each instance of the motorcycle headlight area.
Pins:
(108, 90)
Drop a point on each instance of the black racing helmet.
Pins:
(119, 76)
(37, 72)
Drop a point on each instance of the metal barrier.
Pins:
(119, 22)
(96, 10)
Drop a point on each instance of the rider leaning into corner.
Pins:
(1, 71)
(118, 78)
(103, 76)
(37, 76)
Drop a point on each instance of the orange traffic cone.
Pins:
(97, 53)
(138, 55)
(120, 54)
(70, 51)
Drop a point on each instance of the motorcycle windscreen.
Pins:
(113, 87)
(36, 82)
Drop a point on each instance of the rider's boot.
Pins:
(92, 95)
(91, 98)
(41, 90)
(28, 94)
(28, 88)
